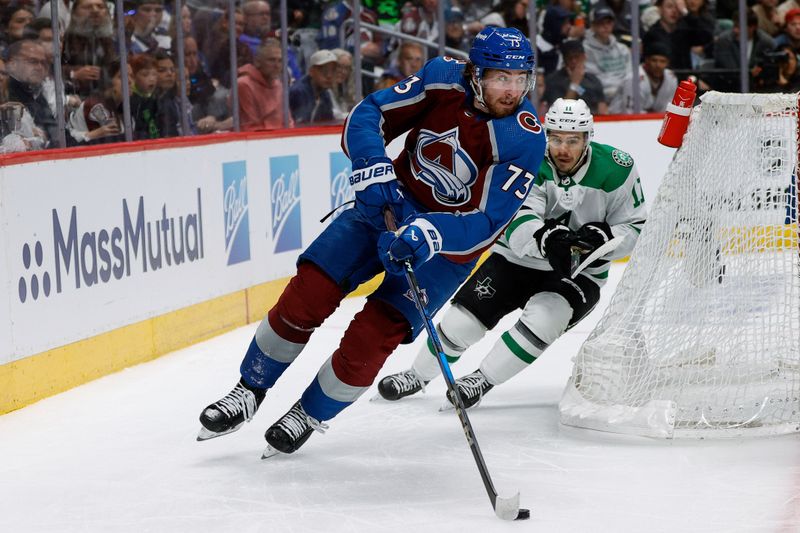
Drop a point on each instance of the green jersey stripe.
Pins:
(517, 222)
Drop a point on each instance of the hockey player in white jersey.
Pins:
(584, 195)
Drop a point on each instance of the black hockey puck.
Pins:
(523, 514)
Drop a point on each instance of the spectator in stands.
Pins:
(455, 30)
(787, 77)
(784, 8)
(64, 13)
(169, 102)
(27, 68)
(310, 97)
(791, 32)
(144, 104)
(219, 66)
(697, 13)
(89, 47)
(572, 81)
(726, 53)
(410, 58)
(257, 23)
(166, 72)
(622, 18)
(41, 31)
(261, 90)
(17, 130)
(144, 21)
(769, 20)
(657, 83)
(556, 27)
(187, 25)
(98, 120)
(514, 13)
(421, 21)
(608, 59)
(13, 21)
(334, 31)
(343, 91)
(209, 103)
(680, 32)
(204, 20)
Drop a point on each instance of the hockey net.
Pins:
(702, 335)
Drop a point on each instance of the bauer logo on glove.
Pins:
(372, 174)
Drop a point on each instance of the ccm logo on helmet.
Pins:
(528, 122)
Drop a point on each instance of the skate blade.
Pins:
(269, 451)
(508, 508)
(206, 434)
(377, 398)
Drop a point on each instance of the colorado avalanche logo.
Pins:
(440, 162)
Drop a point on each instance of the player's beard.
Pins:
(502, 107)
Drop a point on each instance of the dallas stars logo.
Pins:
(484, 289)
(621, 158)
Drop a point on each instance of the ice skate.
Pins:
(291, 431)
(400, 385)
(472, 388)
(231, 412)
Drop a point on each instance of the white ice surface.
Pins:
(119, 454)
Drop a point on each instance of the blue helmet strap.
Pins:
(477, 74)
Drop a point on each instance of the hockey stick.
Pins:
(504, 508)
(608, 247)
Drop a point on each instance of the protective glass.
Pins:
(573, 141)
(515, 81)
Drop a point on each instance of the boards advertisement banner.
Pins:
(94, 243)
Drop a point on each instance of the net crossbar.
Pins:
(702, 335)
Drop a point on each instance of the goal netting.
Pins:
(702, 335)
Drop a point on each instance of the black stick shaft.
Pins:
(466, 425)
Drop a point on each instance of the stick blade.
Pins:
(507, 508)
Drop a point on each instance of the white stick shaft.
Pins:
(608, 247)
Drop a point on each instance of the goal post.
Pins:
(701, 337)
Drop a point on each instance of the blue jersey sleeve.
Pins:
(384, 115)
(518, 145)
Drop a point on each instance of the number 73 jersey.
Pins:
(464, 171)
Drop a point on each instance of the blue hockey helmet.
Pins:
(504, 48)
(501, 48)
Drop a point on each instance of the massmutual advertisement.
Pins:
(92, 244)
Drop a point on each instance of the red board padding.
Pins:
(217, 138)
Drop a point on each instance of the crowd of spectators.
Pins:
(584, 50)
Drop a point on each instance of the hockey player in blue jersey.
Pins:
(473, 145)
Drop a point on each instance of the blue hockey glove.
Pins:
(555, 242)
(415, 242)
(376, 188)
